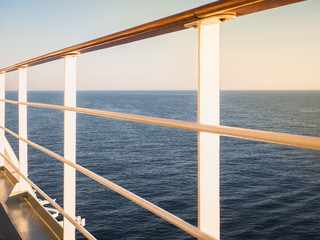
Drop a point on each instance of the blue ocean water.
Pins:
(267, 191)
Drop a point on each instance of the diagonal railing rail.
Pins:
(131, 196)
(50, 200)
(293, 140)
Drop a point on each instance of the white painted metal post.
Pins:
(23, 132)
(208, 113)
(2, 114)
(69, 199)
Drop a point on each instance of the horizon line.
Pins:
(153, 90)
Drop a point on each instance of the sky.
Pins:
(276, 49)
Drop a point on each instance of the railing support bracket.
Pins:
(72, 54)
(211, 20)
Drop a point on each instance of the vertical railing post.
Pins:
(209, 113)
(69, 199)
(209, 144)
(2, 114)
(23, 132)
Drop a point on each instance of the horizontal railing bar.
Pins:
(162, 26)
(192, 230)
(53, 203)
(243, 133)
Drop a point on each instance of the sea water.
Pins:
(268, 191)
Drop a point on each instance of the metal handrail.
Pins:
(249, 134)
(51, 201)
(185, 226)
(162, 26)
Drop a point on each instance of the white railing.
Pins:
(208, 19)
(293, 140)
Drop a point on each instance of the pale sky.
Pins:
(276, 49)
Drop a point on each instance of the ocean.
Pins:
(268, 191)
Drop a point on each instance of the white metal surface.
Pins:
(2, 114)
(208, 143)
(10, 152)
(23, 132)
(69, 199)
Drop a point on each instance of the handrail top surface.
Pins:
(158, 27)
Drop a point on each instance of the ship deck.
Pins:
(20, 214)
(7, 229)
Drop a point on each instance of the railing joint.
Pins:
(23, 67)
(71, 54)
(219, 18)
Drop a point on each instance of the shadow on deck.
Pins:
(22, 216)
